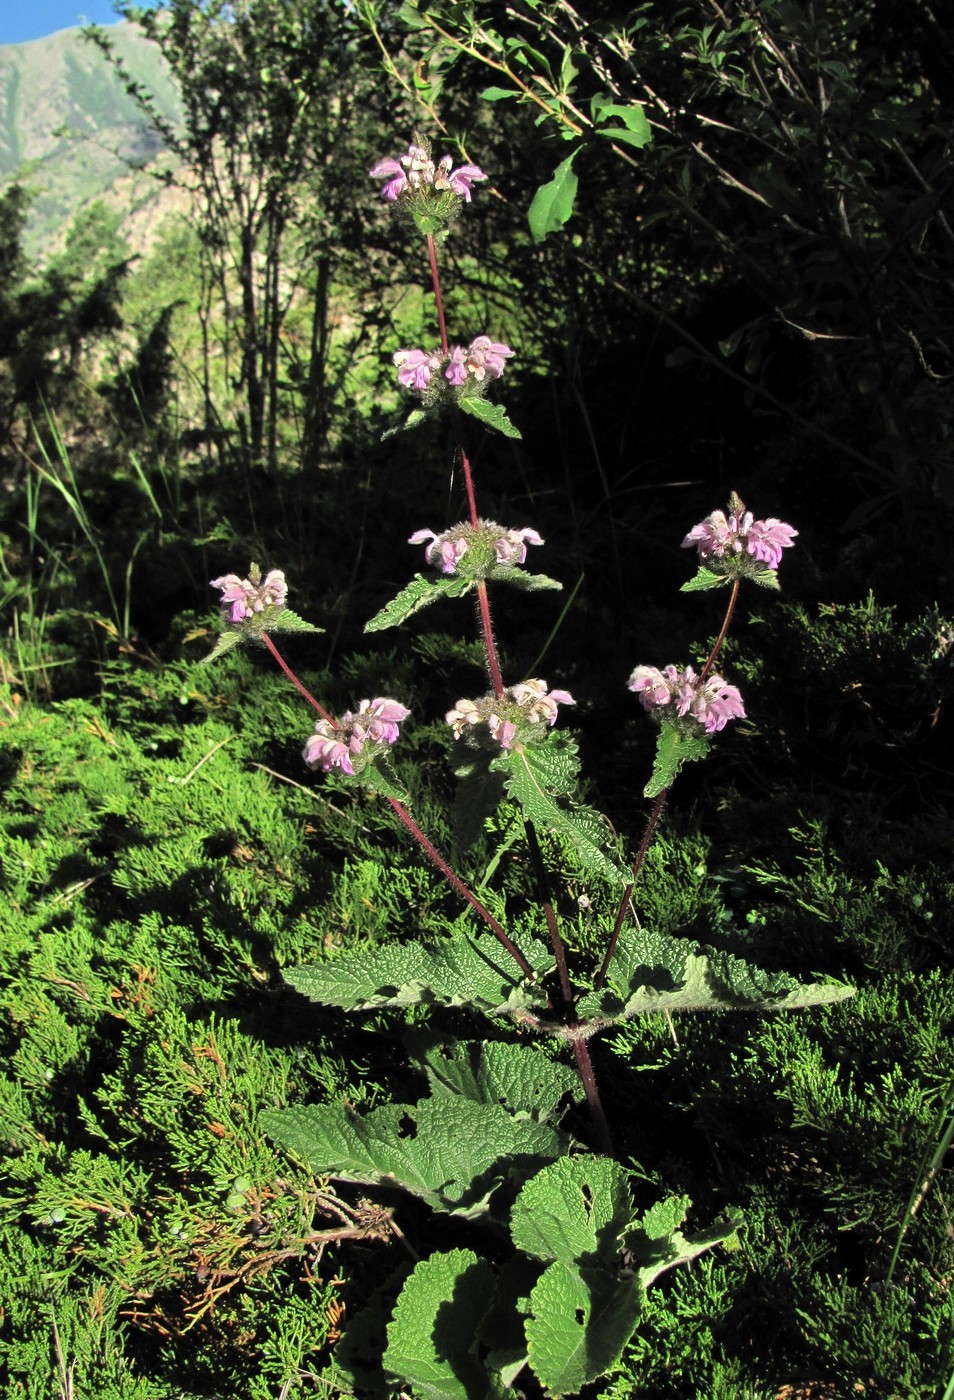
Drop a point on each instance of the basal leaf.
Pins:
(451, 1152)
(418, 594)
(459, 971)
(580, 1320)
(657, 1244)
(574, 1211)
(674, 747)
(492, 415)
(519, 1077)
(431, 1337)
(553, 203)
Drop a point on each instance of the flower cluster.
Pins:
(242, 598)
(508, 716)
(482, 361)
(416, 173)
(487, 543)
(710, 702)
(723, 537)
(330, 747)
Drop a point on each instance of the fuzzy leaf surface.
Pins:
(492, 415)
(704, 580)
(452, 1153)
(224, 643)
(651, 973)
(536, 775)
(431, 1336)
(526, 1082)
(418, 594)
(519, 578)
(674, 747)
(574, 1211)
(657, 1243)
(459, 972)
(287, 621)
(580, 1320)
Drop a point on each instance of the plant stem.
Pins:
(549, 913)
(490, 646)
(435, 278)
(725, 628)
(584, 1066)
(296, 682)
(453, 879)
(469, 488)
(627, 893)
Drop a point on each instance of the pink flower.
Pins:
(767, 538)
(415, 368)
(486, 357)
(376, 721)
(512, 712)
(511, 546)
(242, 598)
(711, 703)
(721, 535)
(415, 171)
(456, 368)
(447, 550)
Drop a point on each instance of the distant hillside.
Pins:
(72, 132)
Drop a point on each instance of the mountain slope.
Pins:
(71, 131)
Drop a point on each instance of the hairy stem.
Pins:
(584, 1067)
(724, 632)
(296, 682)
(436, 280)
(490, 646)
(651, 825)
(453, 879)
(549, 913)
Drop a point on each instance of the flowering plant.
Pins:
(488, 1141)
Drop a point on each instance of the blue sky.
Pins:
(32, 19)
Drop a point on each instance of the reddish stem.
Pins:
(469, 488)
(435, 278)
(549, 913)
(490, 646)
(296, 682)
(584, 1067)
(725, 628)
(627, 893)
(453, 879)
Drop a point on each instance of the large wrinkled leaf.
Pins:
(451, 1152)
(431, 1337)
(521, 1078)
(580, 1321)
(574, 1211)
(460, 971)
(652, 973)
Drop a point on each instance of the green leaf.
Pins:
(553, 203)
(521, 1078)
(501, 1329)
(535, 775)
(580, 1321)
(414, 420)
(378, 776)
(287, 621)
(492, 415)
(431, 1337)
(574, 1211)
(476, 797)
(519, 578)
(704, 579)
(652, 973)
(498, 94)
(656, 1243)
(674, 747)
(452, 1153)
(460, 971)
(226, 641)
(418, 594)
